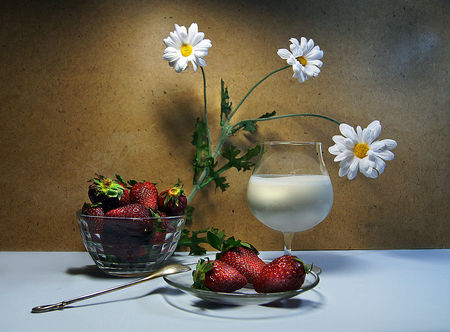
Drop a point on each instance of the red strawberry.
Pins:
(127, 239)
(173, 201)
(129, 211)
(284, 273)
(92, 209)
(125, 199)
(106, 191)
(96, 210)
(160, 227)
(145, 193)
(245, 260)
(217, 276)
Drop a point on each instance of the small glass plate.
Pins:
(244, 296)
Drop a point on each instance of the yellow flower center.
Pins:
(186, 50)
(361, 150)
(302, 60)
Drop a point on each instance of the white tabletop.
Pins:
(380, 290)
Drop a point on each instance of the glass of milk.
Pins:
(290, 190)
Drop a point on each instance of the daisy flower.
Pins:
(359, 150)
(184, 46)
(304, 58)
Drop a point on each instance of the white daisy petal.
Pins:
(284, 53)
(205, 43)
(359, 132)
(181, 32)
(338, 139)
(349, 132)
(309, 70)
(335, 149)
(192, 33)
(389, 143)
(316, 63)
(343, 155)
(181, 64)
(378, 146)
(315, 54)
(353, 169)
(201, 62)
(198, 38)
(303, 43)
(343, 171)
(374, 130)
(386, 155)
(380, 164)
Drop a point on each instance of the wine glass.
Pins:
(290, 190)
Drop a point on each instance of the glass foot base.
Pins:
(317, 270)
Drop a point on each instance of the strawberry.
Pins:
(173, 201)
(106, 191)
(129, 211)
(284, 273)
(95, 224)
(145, 193)
(125, 199)
(92, 210)
(245, 260)
(127, 239)
(160, 227)
(217, 276)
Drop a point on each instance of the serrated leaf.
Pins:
(251, 125)
(225, 103)
(213, 240)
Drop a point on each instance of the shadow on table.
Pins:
(94, 272)
(282, 308)
(334, 261)
(89, 270)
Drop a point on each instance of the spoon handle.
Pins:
(166, 270)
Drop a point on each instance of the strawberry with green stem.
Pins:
(217, 276)
(241, 255)
(106, 191)
(173, 201)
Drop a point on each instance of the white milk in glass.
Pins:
(290, 203)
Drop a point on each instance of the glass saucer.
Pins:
(244, 296)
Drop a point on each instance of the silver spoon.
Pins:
(166, 270)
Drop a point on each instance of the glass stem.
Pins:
(288, 237)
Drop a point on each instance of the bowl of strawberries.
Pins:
(128, 227)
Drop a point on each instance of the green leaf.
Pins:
(189, 211)
(225, 104)
(213, 240)
(193, 241)
(244, 162)
(250, 125)
(202, 157)
(198, 275)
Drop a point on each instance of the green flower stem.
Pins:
(205, 108)
(253, 88)
(288, 116)
(204, 174)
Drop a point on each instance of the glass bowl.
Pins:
(129, 247)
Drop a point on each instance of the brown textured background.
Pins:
(83, 89)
